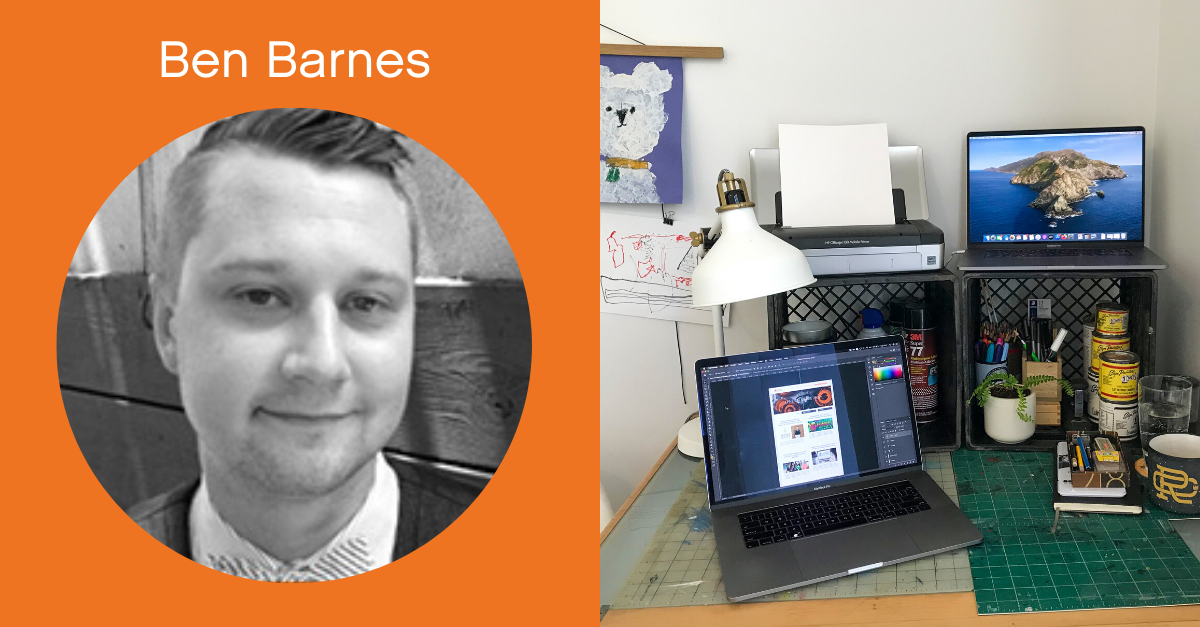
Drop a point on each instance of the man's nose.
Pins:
(621, 115)
(317, 352)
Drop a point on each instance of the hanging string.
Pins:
(622, 34)
(679, 348)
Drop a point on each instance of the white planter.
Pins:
(1001, 423)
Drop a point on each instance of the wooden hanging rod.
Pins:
(691, 52)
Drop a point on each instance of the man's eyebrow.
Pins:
(263, 266)
(381, 276)
(269, 266)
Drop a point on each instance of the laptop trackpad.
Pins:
(838, 552)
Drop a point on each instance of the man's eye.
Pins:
(259, 297)
(366, 304)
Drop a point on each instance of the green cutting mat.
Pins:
(679, 567)
(1093, 561)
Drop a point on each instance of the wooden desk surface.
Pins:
(943, 609)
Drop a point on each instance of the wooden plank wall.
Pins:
(471, 356)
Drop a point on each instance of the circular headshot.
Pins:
(293, 345)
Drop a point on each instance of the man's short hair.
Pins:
(328, 139)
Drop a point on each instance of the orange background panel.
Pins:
(504, 104)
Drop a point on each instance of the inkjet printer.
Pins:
(909, 245)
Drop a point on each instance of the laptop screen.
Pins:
(803, 417)
(1054, 187)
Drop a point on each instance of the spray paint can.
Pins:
(895, 315)
(920, 347)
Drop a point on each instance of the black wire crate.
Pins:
(839, 299)
(1074, 295)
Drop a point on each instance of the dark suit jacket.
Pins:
(430, 499)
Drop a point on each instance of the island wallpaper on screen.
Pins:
(1078, 186)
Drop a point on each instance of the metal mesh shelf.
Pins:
(1074, 294)
(839, 299)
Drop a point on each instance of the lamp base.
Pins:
(691, 441)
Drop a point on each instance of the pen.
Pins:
(1086, 463)
(1062, 334)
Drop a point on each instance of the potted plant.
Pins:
(1008, 405)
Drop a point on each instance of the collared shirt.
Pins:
(365, 543)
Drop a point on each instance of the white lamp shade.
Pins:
(747, 262)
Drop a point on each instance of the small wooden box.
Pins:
(1048, 414)
(1095, 479)
(1049, 391)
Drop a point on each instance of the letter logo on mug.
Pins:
(1171, 482)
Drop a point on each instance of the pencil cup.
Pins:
(983, 370)
(1049, 391)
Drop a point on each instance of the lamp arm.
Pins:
(716, 228)
(718, 330)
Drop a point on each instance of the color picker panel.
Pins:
(888, 372)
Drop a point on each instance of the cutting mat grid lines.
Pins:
(1093, 561)
(679, 567)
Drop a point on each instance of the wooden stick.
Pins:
(636, 491)
(950, 609)
(692, 52)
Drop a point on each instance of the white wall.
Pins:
(932, 70)
(1176, 205)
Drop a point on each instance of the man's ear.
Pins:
(163, 301)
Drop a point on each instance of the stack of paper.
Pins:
(835, 175)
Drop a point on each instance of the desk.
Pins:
(627, 536)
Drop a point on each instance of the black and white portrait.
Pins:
(293, 345)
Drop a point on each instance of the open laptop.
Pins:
(1064, 199)
(814, 468)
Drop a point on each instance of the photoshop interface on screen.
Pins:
(882, 370)
(889, 399)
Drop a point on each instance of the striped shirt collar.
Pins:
(365, 543)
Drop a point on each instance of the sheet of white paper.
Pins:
(646, 268)
(835, 175)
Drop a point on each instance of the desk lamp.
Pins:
(745, 262)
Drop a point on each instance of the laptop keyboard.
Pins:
(1060, 252)
(831, 513)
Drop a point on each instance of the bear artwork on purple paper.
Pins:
(641, 105)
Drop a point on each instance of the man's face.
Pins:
(292, 330)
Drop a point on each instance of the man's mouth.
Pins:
(305, 416)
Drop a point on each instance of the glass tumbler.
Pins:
(1164, 406)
